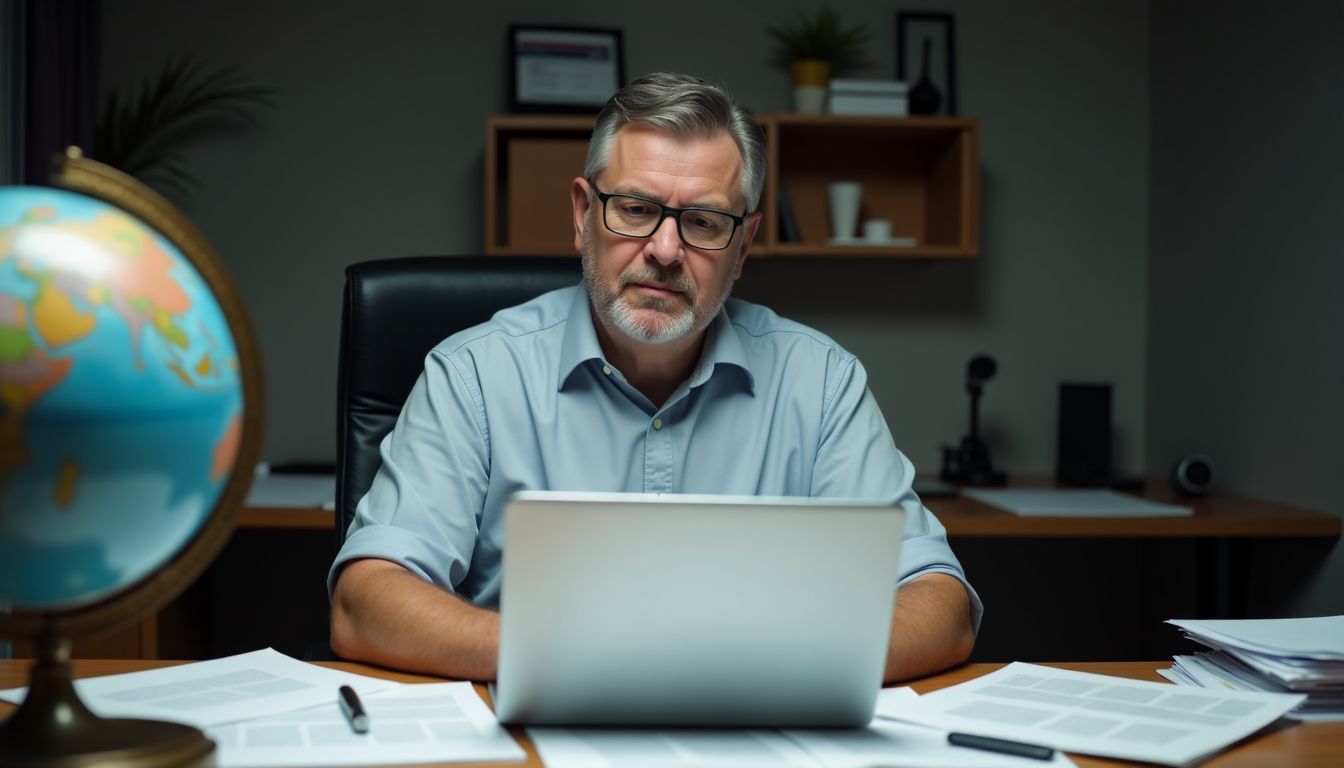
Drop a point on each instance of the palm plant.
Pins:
(144, 135)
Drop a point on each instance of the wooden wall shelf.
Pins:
(922, 173)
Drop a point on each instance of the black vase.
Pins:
(924, 95)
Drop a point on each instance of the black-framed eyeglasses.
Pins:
(708, 229)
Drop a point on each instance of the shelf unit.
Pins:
(922, 173)
(530, 161)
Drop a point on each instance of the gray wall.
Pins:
(1245, 356)
(374, 150)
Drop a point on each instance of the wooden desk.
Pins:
(1303, 744)
(1216, 516)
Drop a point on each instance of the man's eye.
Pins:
(636, 210)
(705, 223)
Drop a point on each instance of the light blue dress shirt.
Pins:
(526, 401)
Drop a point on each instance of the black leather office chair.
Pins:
(394, 312)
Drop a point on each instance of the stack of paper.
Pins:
(1283, 655)
(867, 97)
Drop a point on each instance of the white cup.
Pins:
(844, 198)
(877, 230)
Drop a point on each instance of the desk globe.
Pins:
(130, 416)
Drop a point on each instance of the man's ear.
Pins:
(580, 201)
(749, 228)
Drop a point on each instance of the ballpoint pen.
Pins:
(353, 710)
(1002, 746)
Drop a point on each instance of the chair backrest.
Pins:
(394, 312)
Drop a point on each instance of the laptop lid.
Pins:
(641, 609)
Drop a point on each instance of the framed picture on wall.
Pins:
(926, 58)
(563, 69)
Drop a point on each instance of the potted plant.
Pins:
(813, 47)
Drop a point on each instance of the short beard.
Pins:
(618, 313)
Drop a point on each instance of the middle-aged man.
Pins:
(650, 380)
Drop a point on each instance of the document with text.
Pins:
(666, 748)
(903, 745)
(218, 691)
(1096, 714)
(422, 723)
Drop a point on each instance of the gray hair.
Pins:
(686, 106)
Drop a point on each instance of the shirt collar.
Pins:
(723, 345)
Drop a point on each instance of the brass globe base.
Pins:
(53, 729)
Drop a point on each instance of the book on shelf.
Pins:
(788, 226)
(867, 97)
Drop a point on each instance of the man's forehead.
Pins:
(640, 146)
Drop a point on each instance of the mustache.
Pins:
(673, 278)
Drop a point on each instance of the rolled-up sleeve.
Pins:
(423, 509)
(857, 458)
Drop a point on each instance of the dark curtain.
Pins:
(60, 77)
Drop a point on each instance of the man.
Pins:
(649, 381)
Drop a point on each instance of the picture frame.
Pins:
(940, 30)
(563, 69)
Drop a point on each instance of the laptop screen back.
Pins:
(694, 610)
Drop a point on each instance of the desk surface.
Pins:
(1217, 515)
(1308, 745)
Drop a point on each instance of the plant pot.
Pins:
(811, 72)
(810, 77)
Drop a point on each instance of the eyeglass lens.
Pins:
(635, 217)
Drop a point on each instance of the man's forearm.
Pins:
(383, 614)
(930, 627)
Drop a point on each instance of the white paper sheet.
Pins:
(668, 748)
(1061, 502)
(423, 723)
(897, 745)
(219, 691)
(1097, 714)
(302, 491)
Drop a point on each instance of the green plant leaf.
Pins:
(818, 36)
(142, 133)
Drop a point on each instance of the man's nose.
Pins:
(665, 242)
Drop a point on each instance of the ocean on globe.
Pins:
(121, 404)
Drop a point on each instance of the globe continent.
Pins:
(121, 404)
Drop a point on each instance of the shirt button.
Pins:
(657, 423)
(606, 369)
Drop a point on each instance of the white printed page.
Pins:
(669, 748)
(1096, 714)
(422, 723)
(218, 691)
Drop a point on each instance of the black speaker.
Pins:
(1193, 475)
(1083, 447)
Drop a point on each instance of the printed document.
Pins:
(888, 744)
(1097, 714)
(422, 723)
(219, 691)
(898, 745)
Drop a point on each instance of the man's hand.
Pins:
(383, 614)
(930, 628)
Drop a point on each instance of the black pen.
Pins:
(1002, 746)
(353, 710)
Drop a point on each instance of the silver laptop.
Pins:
(635, 609)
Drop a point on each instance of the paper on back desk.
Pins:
(208, 693)
(1064, 502)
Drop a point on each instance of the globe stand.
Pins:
(53, 729)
